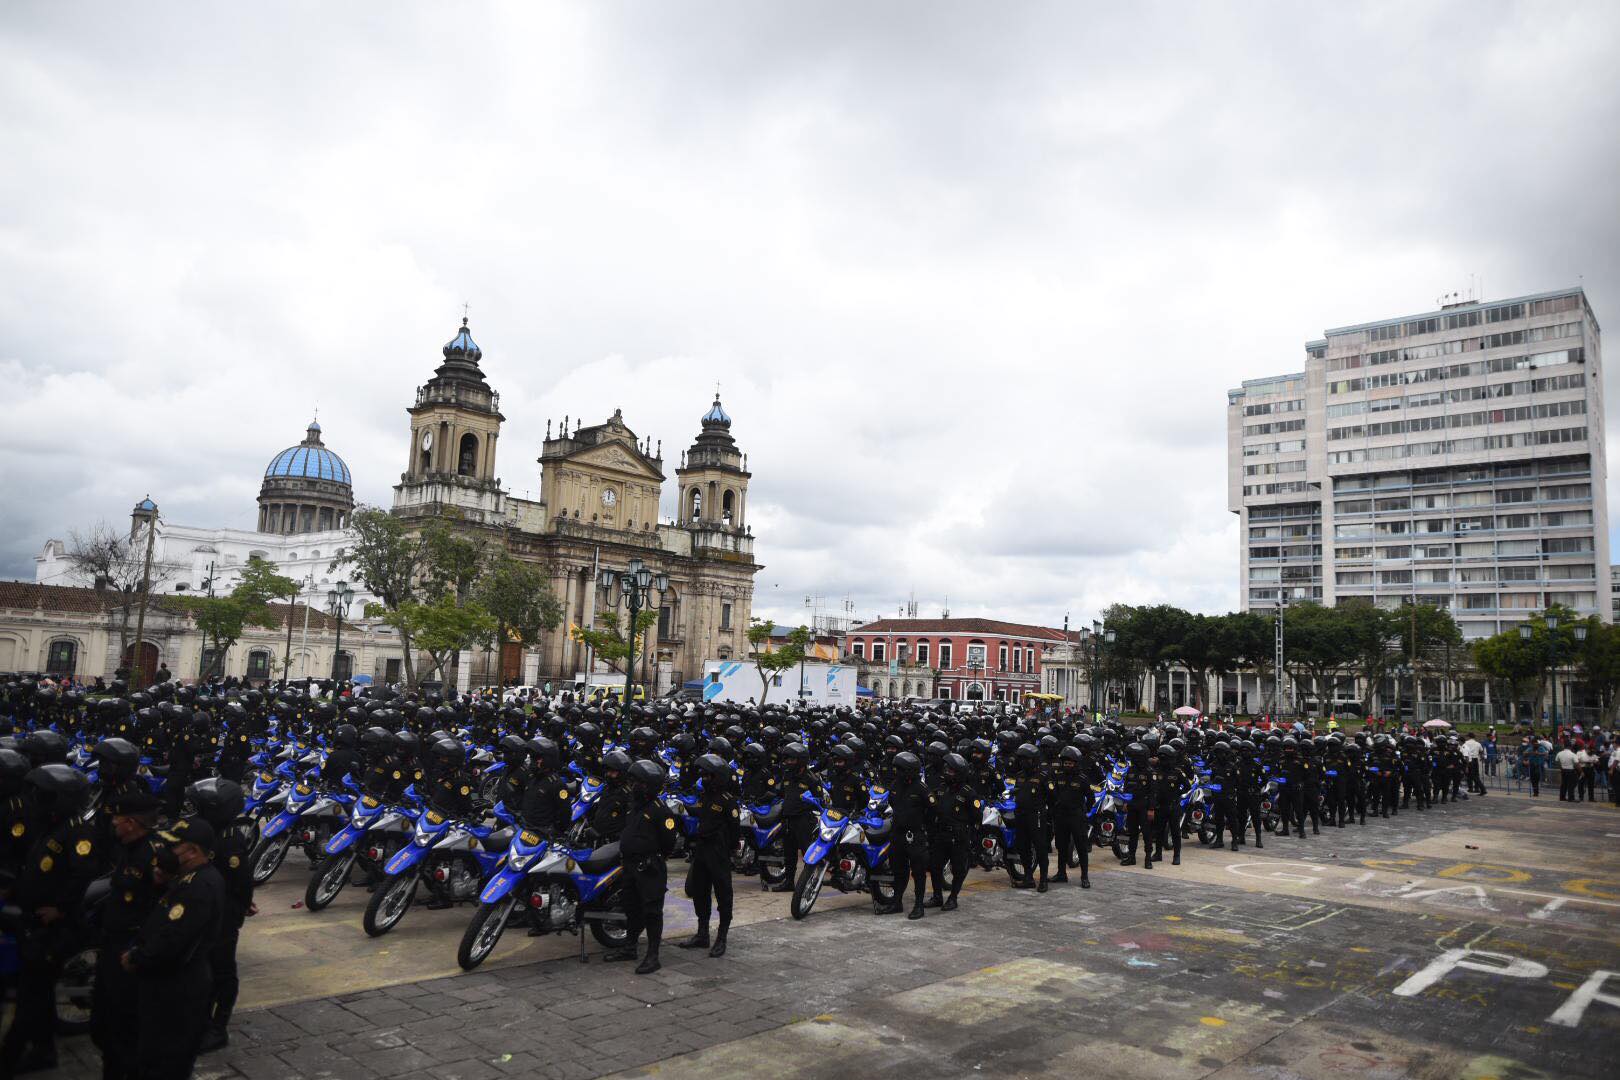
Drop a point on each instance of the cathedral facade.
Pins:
(601, 487)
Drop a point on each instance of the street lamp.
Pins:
(1094, 640)
(1552, 658)
(337, 605)
(636, 586)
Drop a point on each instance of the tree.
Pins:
(116, 564)
(387, 559)
(609, 644)
(1598, 661)
(515, 594)
(1510, 663)
(222, 619)
(770, 660)
(441, 628)
(1317, 646)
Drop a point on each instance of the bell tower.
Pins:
(713, 478)
(455, 425)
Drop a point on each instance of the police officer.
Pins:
(1071, 813)
(798, 786)
(133, 892)
(644, 846)
(61, 863)
(709, 869)
(220, 802)
(960, 812)
(1140, 814)
(170, 957)
(16, 815)
(1032, 792)
(914, 808)
(547, 799)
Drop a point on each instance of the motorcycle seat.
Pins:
(601, 860)
(880, 831)
(770, 817)
(498, 840)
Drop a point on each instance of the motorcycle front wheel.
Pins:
(773, 874)
(74, 991)
(268, 855)
(484, 932)
(331, 874)
(389, 904)
(808, 889)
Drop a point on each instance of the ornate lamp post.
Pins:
(1552, 658)
(337, 605)
(637, 584)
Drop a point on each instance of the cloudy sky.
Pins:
(973, 278)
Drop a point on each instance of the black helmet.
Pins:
(1027, 754)
(62, 789)
(45, 747)
(644, 741)
(794, 753)
(376, 740)
(346, 736)
(713, 765)
(683, 744)
(407, 742)
(217, 800)
(514, 749)
(841, 757)
(722, 746)
(1070, 756)
(907, 764)
(13, 767)
(1136, 752)
(544, 751)
(118, 758)
(448, 751)
(1087, 742)
(649, 776)
(616, 762)
(754, 755)
(954, 768)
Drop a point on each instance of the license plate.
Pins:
(835, 815)
(266, 777)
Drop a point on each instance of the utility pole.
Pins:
(202, 653)
(1277, 669)
(138, 682)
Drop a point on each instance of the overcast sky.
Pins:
(974, 278)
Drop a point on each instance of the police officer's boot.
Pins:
(699, 940)
(720, 937)
(216, 1038)
(655, 934)
(916, 907)
(626, 953)
(950, 902)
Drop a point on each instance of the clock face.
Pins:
(609, 497)
(427, 440)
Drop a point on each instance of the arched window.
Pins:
(62, 657)
(315, 554)
(426, 465)
(694, 504)
(467, 459)
(258, 664)
(728, 507)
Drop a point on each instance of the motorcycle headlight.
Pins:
(520, 862)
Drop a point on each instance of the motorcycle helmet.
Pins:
(13, 767)
(907, 764)
(514, 751)
(1137, 753)
(216, 800)
(375, 741)
(60, 791)
(1070, 757)
(615, 763)
(794, 755)
(647, 776)
(118, 759)
(543, 750)
(347, 736)
(722, 746)
(45, 747)
(713, 765)
(954, 768)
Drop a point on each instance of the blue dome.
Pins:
(716, 415)
(462, 346)
(146, 504)
(312, 462)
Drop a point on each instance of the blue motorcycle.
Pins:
(562, 890)
(308, 817)
(759, 847)
(374, 832)
(452, 857)
(854, 849)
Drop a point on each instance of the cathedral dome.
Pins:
(309, 459)
(306, 488)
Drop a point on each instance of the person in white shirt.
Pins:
(1585, 775)
(1567, 772)
(1472, 752)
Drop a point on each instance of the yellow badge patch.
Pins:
(236, 861)
(45, 864)
(17, 829)
(563, 794)
(465, 790)
(82, 848)
(977, 804)
(177, 912)
(129, 898)
(396, 774)
(669, 823)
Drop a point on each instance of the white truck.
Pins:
(736, 682)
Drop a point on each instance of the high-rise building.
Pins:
(1452, 458)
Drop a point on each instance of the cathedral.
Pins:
(600, 491)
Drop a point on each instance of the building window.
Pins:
(725, 616)
(945, 693)
(1029, 661)
(258, 666)
(1017, 658)
(922, 653)
(663, 622)
(877, 652)
(859, 649)
(62, 658)
(1003, 658)
(467, 457)
(944, 655)
(728, 508)
(976, 654)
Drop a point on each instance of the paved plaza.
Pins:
(1329, 957)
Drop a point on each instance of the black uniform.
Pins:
(960, 812)
(60, 865)
(170, 960)
(1139, 785)
(914, 809)
(1071, 820)
(231, 860)
(547, 804)
(644, 845)
(1032, 792)
(709, 871)
(115, 1001)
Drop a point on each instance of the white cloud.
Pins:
(974, 280)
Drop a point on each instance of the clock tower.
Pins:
(455, 424)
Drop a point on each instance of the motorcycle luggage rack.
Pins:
(598, 916)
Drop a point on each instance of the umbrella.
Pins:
(1435, 724)
(1188, 710)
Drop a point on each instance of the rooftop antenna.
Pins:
(945, 612)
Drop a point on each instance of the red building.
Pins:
(971, 659)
